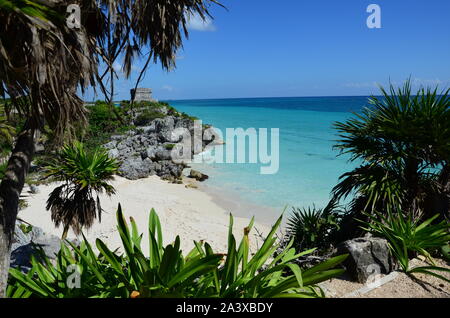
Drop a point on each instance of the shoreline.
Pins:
(233, 203)
(191, 213)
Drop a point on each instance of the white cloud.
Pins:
(415, 82)
(426, 82)
(361, 85)
(117, 67)
(195, 22)
(167, 88)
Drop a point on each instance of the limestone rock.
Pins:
(368, 256)
(147, 150)
(197, 175)
(27, 239)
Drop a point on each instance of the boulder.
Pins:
(33, 189)
(133, 168)
(197, 175)
(151, 152)
(163, 154)
(114, 153)
(368, 256)
(27, 243)
(110, 145)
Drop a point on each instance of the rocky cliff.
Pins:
(146, 150)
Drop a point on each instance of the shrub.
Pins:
(169, 146)
(312, 227)
(407, 238)
(3, 167)
(402, 143)
(167, 273)
(147, 116)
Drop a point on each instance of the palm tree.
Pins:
(45, 61)
(73, 204)
(403, 141)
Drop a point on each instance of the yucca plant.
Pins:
(166, 272)
(408, 237)
(83, 174)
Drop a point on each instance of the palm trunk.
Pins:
(412, 180)
(10, 188)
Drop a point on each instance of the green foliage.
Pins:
(167, 273)
(7, 131)
(32, 8)
(82, 174)
(3, 169)
(84, 169)
(147, 116)
(312, 227)
(403, 141)
(26, 228)
(187, 116)
(103, 123)
(407, 238)
(169, 146)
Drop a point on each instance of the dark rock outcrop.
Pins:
(197, 175)
(368, 256)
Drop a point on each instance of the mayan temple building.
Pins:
(142, 95)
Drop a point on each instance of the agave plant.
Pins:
(83, 175)
(407, 237)
(166, 272)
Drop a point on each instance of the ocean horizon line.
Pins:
(261, 97)
(247, 98)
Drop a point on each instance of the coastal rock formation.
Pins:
(197, 175)
(147, 150)
(26, 239)
(368, 257)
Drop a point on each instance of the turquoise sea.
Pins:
(309, 167)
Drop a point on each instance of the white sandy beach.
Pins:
(190, 213)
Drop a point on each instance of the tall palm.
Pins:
(84, 175)
(44, 60)
(403, 140)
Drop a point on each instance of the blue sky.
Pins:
(262, 48)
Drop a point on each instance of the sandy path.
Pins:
(187, 212)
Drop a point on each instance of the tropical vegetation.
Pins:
(403, 142)
(314, 227)
(409, 238)
(83, 174)
(401, 190)
(46, 61)
(167, 272)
